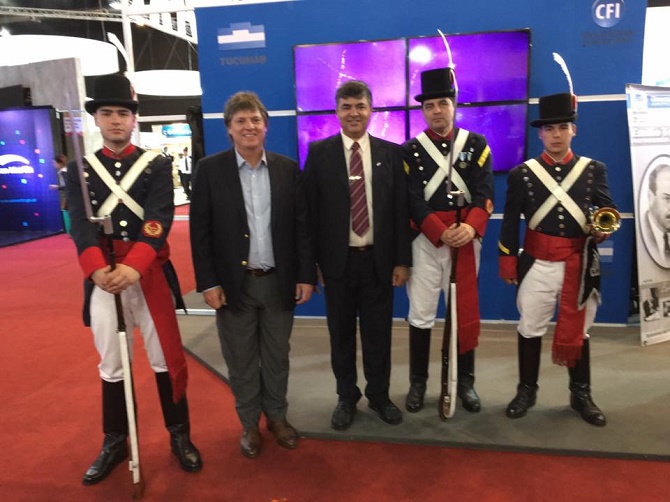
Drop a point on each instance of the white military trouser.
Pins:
(431, 268)
(104, 327)
(539, 295)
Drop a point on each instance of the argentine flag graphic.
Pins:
(606, 250)
(241, 36)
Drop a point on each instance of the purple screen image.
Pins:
(321, 69)
(388, 125)
(504, 127)
(488, 66)
(26, 171)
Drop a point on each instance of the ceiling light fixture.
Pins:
(96, 57)
(167, 82)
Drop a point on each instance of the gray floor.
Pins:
(630, 385)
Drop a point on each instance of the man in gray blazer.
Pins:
(358, 208)
(253, 261)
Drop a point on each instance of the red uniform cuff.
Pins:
(140, 257)
(92, 259)
(477, 218)
(507, 267)
(432, 227)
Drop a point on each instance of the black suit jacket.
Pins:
(220, 233)
(327, 185)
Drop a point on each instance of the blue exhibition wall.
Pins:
(601, 41)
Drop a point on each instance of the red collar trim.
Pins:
(551, 161)
(437, 137)
(124, 153)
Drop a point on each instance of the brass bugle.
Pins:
(604, 220)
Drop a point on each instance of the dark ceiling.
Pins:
(153, 50)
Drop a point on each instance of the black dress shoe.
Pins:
(114, 451)
(181, 445)
(343, 415)
(582, 402)
(250, 442)
(386, 410)
(468, 395)
(414, 399)
(526, 395)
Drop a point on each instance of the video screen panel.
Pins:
(321, 69)
(388, 125)
(26, 170)
(489, 66)
(507, 150)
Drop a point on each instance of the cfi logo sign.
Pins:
(607, 13)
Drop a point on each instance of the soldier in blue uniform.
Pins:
(433, 215)
(135, 188)
(559, 264)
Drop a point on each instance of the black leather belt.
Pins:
(258, 272)
(360, 249)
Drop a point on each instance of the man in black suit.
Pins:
(253, 261)
(358, 206)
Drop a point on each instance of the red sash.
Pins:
(161, 307)
(569, 333)
(467, 298)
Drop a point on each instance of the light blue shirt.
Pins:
(257, 202)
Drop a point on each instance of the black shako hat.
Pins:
(438, 83)
(112, 90)
(557, 109)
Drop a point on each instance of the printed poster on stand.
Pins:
(649, 131)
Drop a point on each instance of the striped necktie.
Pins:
(360, 221)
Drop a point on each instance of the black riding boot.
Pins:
(115, 428)
(580, 389)
(419, 353)
(530, 350)
(177, 423)
(466, 382)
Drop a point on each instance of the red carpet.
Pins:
(50, 424)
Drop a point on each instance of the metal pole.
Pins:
(130, 56)
(127, 37)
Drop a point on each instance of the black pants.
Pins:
(360, 294)
(186, 183)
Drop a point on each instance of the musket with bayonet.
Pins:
(449, 374)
